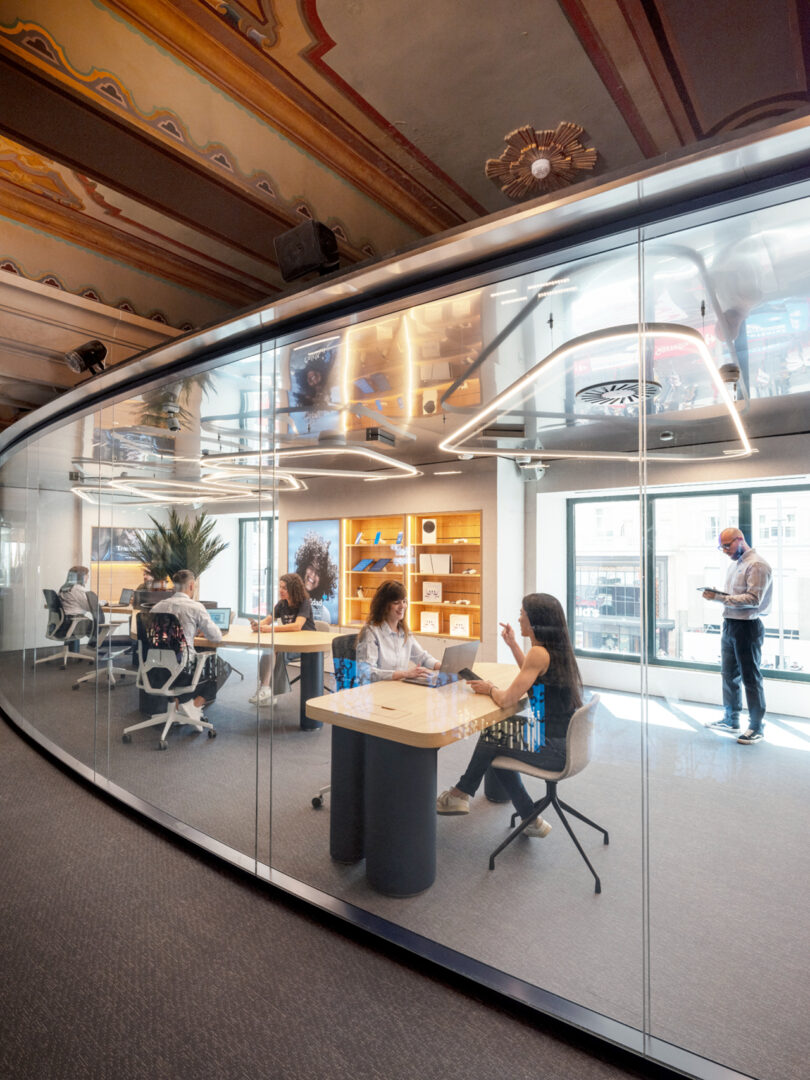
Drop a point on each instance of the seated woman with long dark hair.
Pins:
(292, 612)
(550, 677)
(386, 649)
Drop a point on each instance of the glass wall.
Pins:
(583, 425)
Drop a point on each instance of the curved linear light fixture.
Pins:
(284, 457)
(455, 443)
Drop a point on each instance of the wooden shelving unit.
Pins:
(456, 538)
(392, 545)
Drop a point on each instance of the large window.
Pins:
(680, 560)
(257, 571)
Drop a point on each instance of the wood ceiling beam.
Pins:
(43, 213)
(40, 111)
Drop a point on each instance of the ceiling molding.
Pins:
(217, 51)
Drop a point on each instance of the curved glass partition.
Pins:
(589, 418)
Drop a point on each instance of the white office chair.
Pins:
(66, 629)
(577, 755)
(164, 669)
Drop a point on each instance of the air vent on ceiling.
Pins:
(624, 392)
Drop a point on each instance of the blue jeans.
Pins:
(740, 655)
(551, 757)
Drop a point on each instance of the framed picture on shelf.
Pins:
(432, 592)
(429, 622)
(459, 626)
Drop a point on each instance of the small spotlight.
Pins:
(88, 357)
(172, 417)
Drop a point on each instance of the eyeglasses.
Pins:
(725, 547)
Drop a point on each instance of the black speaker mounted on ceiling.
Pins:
(305, 249)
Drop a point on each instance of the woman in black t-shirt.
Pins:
(550, 678)
(292, 612)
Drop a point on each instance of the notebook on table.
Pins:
(221, 618)
(456, 664)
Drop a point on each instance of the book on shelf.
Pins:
(378, 537)
(459, 626)
(359, 538)
(435, 564)
(399, 539)
(380, 564)
(364, 564)
(429, 622)
(431, 592)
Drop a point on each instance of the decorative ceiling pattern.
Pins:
(150, 153)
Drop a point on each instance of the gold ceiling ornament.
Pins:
(535, 162)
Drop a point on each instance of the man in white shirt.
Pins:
(194, 620)
(747, 595)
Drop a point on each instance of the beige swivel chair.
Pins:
(164, 669)
(577, 756)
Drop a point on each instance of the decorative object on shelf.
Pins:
(431, 592)
(459, 626)
(465, 602)
(536, 162)
(380, 564)
(378, 537)
(398, 542)
(460, 540)
(435, 564)
(470, 570)
(429, 622)
(359, 538)
(364, 564)
(429, 530)
(360, 591)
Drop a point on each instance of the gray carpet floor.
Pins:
(128, 955)
(727, 836)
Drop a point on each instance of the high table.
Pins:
(385, 741)
(312, 644)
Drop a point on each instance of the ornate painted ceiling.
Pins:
(151, 152)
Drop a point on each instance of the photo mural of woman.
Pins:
(312, 553)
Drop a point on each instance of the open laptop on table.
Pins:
(456, 664)
(126, 597)
(221, 618)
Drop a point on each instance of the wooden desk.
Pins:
(312, 644)
(385, 741)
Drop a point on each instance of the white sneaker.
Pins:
(192, 711)
(539, 827)
(452, 804)
(263, 696)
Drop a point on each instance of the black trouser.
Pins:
(740, 655)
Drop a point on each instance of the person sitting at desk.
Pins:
(385, 647)
(75, 601)
(194, 620)
(293, 612)
(550, 676)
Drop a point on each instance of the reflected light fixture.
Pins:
(288, 460)
(88, 357)
(508, 400)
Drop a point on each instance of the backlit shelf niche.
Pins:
(444, 581)
(366, 542)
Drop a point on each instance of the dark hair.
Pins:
(183, 577)
(314, 551)
(547, 620)
(295, 590)
(313, 397)
(390, 592)
(76, 575)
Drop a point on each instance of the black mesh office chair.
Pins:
(104, 655)
(66, 630)
(166, 668)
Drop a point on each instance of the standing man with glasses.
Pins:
(747, 595)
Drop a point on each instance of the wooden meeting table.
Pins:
(385, 741)
(312, 644)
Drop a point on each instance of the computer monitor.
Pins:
(220, 617)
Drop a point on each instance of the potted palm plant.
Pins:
(179, 544)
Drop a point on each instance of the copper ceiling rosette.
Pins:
(536, 162)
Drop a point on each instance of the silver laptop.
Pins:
(456, 664)
(221, 618)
